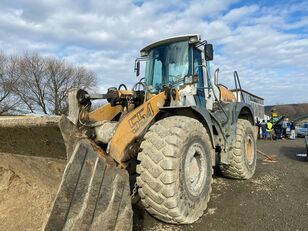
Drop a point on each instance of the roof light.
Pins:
(194, 39)
(143, 53)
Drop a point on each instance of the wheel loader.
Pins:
(158, 142)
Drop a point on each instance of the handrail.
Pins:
(216, 76)
(238, 84)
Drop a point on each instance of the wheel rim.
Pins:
(195, 169)
(249, 149)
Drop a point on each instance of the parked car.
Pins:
(303, 130)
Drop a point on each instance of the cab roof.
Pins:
(192, 38)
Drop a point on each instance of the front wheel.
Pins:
(175, 170)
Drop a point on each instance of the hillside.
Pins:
(292, 110)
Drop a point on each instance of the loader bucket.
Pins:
(93, 193)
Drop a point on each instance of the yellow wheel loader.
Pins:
(158, 141)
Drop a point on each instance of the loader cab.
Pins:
(178, 62)
(168, 64)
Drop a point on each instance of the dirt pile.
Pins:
(34, 136)
(28, 186)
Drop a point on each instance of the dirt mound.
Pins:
(28, 186)
(38, 136)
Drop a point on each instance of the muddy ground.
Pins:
(275, 199)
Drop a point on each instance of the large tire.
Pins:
(243, 156)
(175, 170)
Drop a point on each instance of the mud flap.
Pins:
(93, 194)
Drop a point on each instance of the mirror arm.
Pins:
(137, 65)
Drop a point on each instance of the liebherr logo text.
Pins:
(140, 118)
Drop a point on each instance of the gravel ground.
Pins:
(276, 198)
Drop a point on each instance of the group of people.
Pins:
(266, 130)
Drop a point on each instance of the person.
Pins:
(278, 132)
(258, 124)
(292, 128)
(284, 128)
(263, 128)
(269, 129)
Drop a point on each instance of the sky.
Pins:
(265, 41)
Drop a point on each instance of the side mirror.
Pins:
(137, 67)
(208, 52)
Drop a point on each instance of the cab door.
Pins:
(197, 71)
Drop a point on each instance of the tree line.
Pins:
(31, 83)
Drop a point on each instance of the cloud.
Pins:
(266, 43)
(238, 14)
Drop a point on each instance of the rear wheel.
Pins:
(243, 156)
(175, 170)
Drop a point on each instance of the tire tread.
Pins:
(162, 139)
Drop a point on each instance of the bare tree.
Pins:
(43, 83)
(8, 100)
(37, 84)
(61, 78)
(32, 83)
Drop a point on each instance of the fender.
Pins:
(237, 110)
(194, 112)
(234, 110)
(244, 111)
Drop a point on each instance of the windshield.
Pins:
(167, 65)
